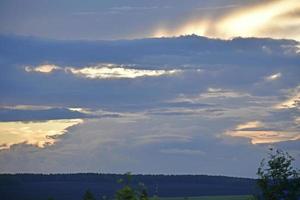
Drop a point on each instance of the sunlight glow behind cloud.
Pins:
(268, 19)
(37, 133)
(258, 20)
(259, 134)
(47, 68)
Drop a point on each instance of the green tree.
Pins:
(88, 195)
(143, 194)
(277, 177)
(128, 192)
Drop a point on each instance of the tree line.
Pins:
(277, 180)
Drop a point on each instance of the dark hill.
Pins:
(73, 186)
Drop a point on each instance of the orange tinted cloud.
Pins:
(40, 133)
(257, 133)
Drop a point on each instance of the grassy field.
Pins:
(210, 198)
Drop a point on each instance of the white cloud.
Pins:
(103, 71)
(81, 110)
(273, 77)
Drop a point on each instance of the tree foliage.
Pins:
(88, 195)
(277, 177)
(143, 194)
(128, 192)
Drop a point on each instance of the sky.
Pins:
(151, 87)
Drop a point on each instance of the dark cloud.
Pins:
(200, 54)
(7, 115)
(32, 115)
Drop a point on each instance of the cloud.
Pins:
(26, 107)
(187, 110)
(45, 68)
(265, 19)
(273, 77)
(253, 124)
(259, 132)
(103, 144)
(39, 113)
(104, 71)
(219, 92)
(37, 133)
(293, 100)
(216, 102)
(190, 111)
(209, 95)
